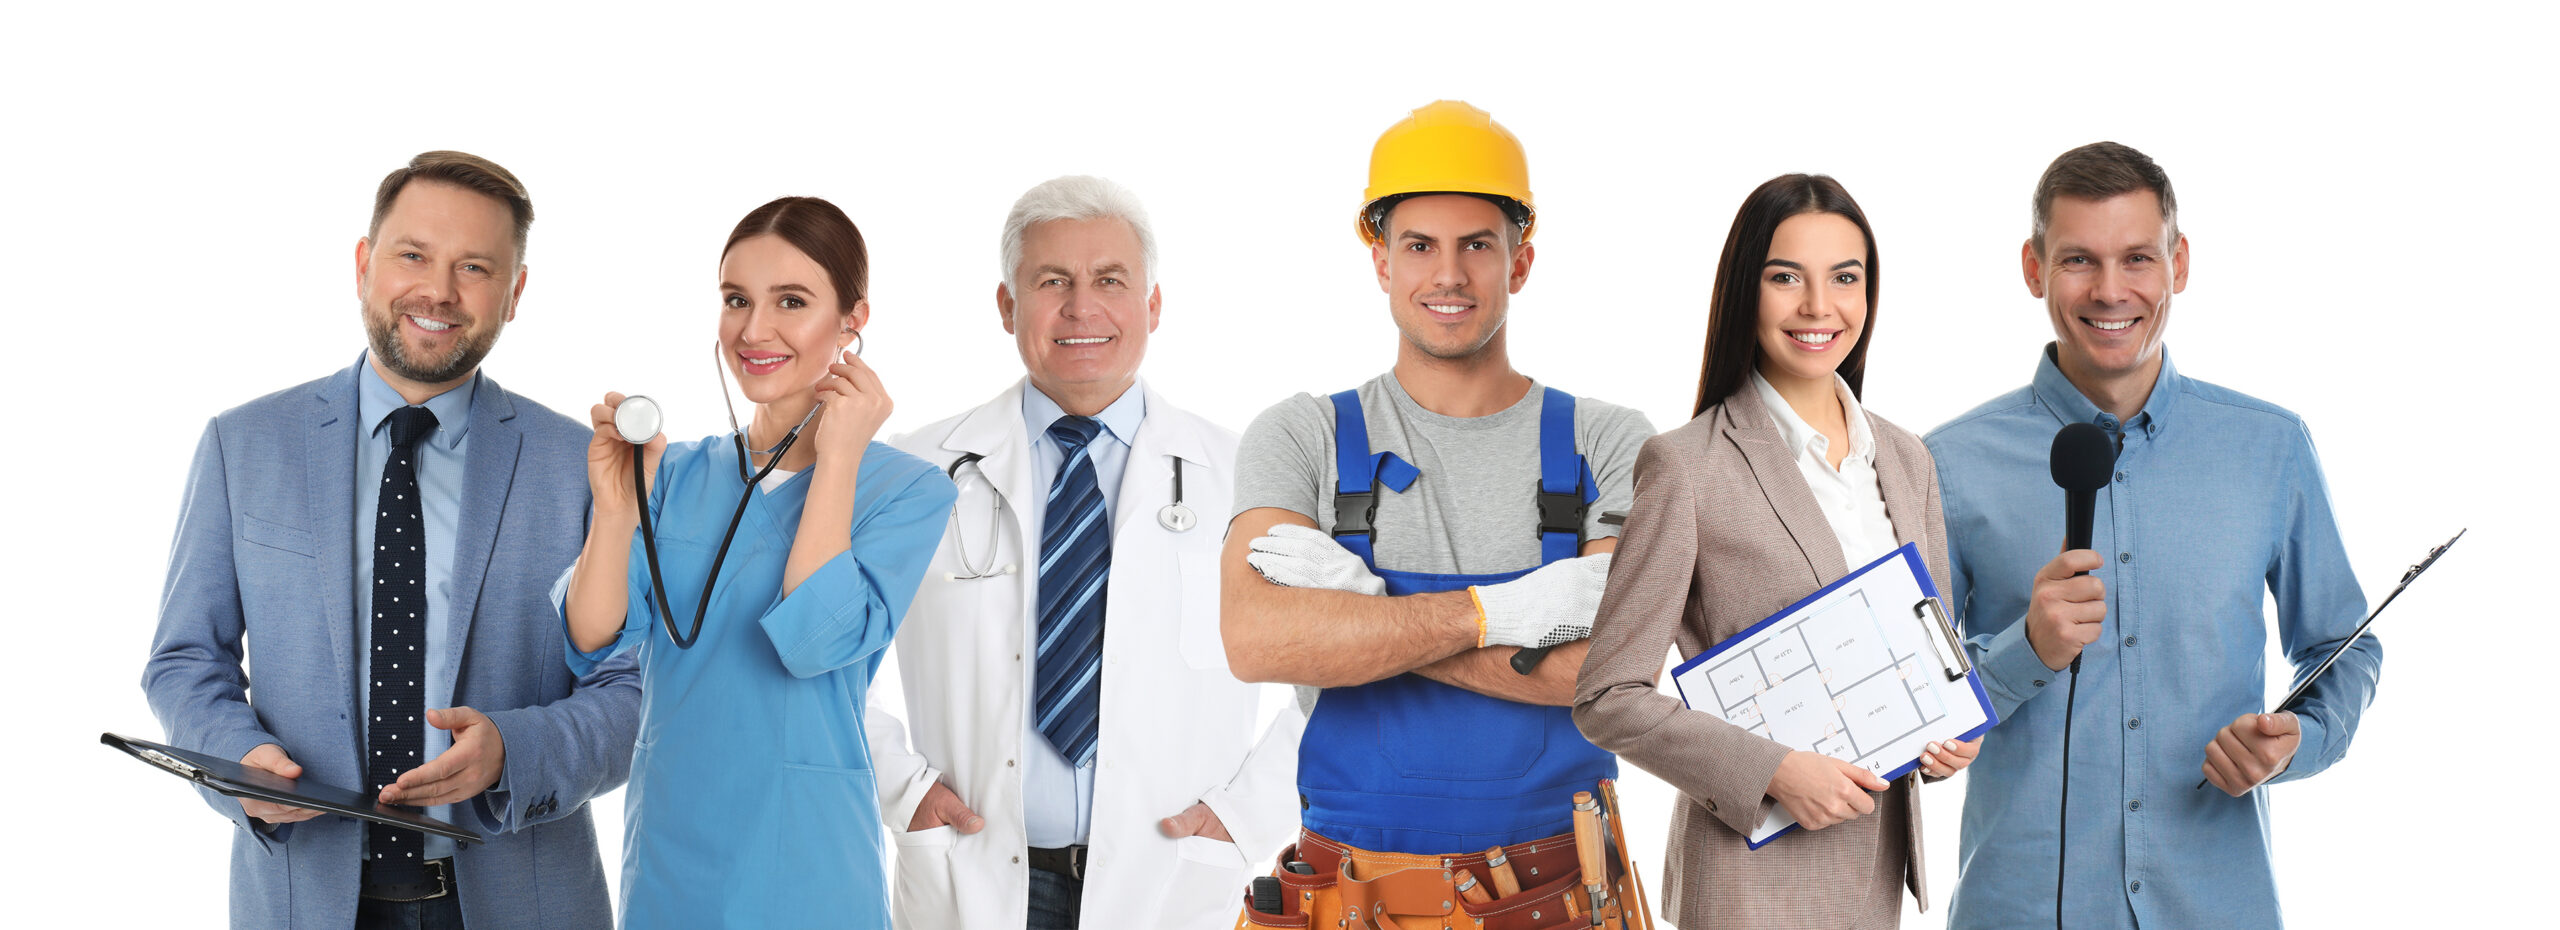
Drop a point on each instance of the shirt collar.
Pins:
(2068, 405)
(1119, 421)
(375, 399)
(1802, 437)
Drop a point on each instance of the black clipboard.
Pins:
(240, 781)
(2352, 638)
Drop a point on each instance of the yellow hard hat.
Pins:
(1448, 147)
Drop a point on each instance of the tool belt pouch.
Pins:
(1552, 895)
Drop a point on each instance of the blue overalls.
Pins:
(1411, 765)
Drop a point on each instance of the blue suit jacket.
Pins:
(265, 550)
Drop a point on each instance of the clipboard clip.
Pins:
(1942, 638)
(170, 762)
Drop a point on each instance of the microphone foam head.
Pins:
(2084, 458)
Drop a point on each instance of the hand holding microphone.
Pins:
(624, 426)
(2068, 607)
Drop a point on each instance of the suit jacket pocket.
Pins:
(275, 535)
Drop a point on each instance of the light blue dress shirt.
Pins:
(440, 500)
(1057, 797)
(2217, 500)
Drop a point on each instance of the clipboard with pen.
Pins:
(236, 780)
(1867, 670)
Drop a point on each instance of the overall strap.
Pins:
(1358, 476)
(1565, 486)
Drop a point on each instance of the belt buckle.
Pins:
(1075, 861)
(438, 876)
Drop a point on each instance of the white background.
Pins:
(2366, 196)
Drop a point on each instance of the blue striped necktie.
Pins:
(1075, 571)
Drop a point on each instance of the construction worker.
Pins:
(1399, 544)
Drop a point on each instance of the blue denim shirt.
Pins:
(2217, 501)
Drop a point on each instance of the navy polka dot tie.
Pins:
(398, 697)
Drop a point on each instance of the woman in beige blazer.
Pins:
(1780, 485)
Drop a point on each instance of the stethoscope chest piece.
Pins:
(638, 419)
(1177, 517)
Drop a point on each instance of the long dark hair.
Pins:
(822, 232)
(1733, 313)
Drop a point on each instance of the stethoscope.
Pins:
(638, 419)
(1175, 517)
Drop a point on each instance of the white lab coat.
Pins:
(1177, 727)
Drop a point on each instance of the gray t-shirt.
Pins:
(1475, 508)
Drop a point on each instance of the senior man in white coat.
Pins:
(1074, 749)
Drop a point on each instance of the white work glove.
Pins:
(1552, 605)
(1305, 557)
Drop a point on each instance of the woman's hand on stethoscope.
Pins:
(609, 464)
(855, 406)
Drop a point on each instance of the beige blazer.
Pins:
(1725, 532)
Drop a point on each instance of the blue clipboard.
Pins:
(1948, 654)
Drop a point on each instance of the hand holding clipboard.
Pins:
(2352, 638)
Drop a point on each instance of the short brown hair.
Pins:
(460, 169)
(822, 232)
(2100, 171)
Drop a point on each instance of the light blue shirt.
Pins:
(2217, 500)
(439, 466)
(1057, 797)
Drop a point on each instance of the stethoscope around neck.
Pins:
(638, 419)
(1175, 517)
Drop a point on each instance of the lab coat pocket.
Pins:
(1204, 884)
(1202, 645)
(922, 885)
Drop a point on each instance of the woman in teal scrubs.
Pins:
(752, 802)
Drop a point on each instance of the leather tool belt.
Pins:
(1358, 889)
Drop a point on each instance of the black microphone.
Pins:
(2083, 461)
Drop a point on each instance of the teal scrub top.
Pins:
(752, 800)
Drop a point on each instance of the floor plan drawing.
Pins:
(1865, 671)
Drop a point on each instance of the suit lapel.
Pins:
(1903, 503)
(488, 473)
(329, 466)
(1750, 427)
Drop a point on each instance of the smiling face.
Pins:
(2106, 276)
(436, 282)
(1449, 272)
(780, 324)
(1813, 298)
(1080, 308)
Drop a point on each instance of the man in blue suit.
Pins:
(385, 539)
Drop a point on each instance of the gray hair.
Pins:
(1074, 197)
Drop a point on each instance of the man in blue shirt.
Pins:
(2217, 498)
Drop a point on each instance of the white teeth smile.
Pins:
(1084, 341)
(1451, 309)
(430, 325)
(1813, 339)
(775, 360)
(2112, 327)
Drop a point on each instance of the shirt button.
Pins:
(2039, 682)
(1008, 763)
(2130, 640)
(1017, 860)
(2133, 805)
(2137, 887)
(2122, 478)
(2124, 557)
(2135, 723)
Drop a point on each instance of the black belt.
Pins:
(1068, 861)
(437, 883)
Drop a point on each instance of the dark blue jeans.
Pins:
(1055, 901)
(443, 913)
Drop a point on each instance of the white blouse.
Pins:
(1849, 497)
